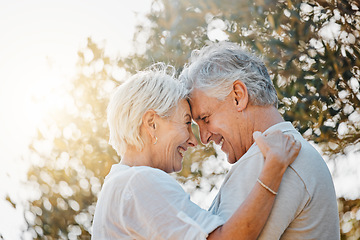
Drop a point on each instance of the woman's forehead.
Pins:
(182, 109)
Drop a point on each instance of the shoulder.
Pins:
(144, 177)
(138, 177)
(248, 165)
(310, 166)
(149, 173)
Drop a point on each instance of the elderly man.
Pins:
(231, 97)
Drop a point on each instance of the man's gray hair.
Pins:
(215, 68)
(155, 88)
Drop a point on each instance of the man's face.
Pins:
(218, 121)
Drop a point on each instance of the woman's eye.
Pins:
(187, 123)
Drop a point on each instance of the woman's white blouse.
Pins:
(147, 203)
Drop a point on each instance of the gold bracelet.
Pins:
(266, 187)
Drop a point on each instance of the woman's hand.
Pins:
(278, 148)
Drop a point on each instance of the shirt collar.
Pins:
(282, 126)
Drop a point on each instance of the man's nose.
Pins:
(204, 135)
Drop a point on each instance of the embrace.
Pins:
(279, 187)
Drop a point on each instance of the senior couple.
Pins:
(279, 187)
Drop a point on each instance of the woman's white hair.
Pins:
(215, 68)
(154, 88)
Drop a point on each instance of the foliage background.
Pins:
(311, 49)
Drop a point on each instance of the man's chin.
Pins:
(231, 158)
(232, 161)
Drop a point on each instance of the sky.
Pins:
(39, 40)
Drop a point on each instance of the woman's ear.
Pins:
(240, 95)
(149, 121)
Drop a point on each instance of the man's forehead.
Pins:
(199, 104)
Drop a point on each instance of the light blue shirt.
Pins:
(305, 207)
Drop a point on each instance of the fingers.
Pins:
(277, 145)
(276, 132)
(256, 134)
(296, 146)
(291, 142)
(291, 137)
(260, 141)
(295, 149)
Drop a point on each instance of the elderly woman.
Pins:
(150, 128)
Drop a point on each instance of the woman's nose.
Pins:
(192, 140)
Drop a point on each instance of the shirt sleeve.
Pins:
(287, 207)
(154, 206)
(237, 185)
(289, 203)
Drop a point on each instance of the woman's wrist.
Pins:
(271, 174)
(273, 163)
(266, 187)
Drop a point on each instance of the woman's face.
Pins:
(174, 137)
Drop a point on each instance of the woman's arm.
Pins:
(249, 219)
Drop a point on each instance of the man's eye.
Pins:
(187, 123)
(205, 119)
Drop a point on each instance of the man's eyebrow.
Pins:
(200, 117)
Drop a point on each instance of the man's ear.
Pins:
(149, 122)
(240, 95)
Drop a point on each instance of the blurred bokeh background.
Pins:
(60, 61)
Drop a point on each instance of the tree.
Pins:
(349, 220)
(309, 46)
(311, 49)
(70, 172)
(316, 76)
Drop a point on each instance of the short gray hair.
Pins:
(154, 88)
(215, 67)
